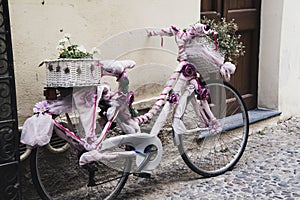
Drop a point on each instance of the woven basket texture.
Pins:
(194, 49)
(72, 73)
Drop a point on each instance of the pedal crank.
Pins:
(143, 144)
(151, 157)
(148, 155)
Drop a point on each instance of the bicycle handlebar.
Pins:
(184, 34)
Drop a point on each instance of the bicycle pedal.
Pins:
(143, 175)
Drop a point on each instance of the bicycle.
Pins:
(209, 122)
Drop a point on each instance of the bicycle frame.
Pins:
(181, 85)
(206, 146)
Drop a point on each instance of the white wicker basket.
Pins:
(72, 72)
(194, 50)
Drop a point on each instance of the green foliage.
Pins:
(69, 50)
(227, 38)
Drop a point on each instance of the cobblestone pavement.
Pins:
(269, 169)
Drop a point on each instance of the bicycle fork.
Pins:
(209, 124)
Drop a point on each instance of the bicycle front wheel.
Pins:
(212, 152)
(59, 176)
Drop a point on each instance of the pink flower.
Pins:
(41, 107)
(173, 98)
(203, 93)
(188, 70)
(215, 126)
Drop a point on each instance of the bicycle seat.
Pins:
(116, 67)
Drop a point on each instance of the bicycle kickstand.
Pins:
(91, 169)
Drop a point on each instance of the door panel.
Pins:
(246, 14)
(211, 9)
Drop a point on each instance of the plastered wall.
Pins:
(38, 25)
(279, 69)
(269, 58)
(289, 79)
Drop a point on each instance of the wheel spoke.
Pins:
(216, 153)
(59, 176)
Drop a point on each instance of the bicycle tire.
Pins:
(59, 176)
(216, 153)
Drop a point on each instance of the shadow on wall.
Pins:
(154, 63)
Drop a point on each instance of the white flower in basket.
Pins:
(74, 67)
(203, 52)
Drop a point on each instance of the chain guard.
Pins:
(140, 142)
(155, 142)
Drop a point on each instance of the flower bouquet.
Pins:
(221, 48)
(227, 38)
(74, 67)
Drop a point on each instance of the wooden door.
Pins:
(247, 15)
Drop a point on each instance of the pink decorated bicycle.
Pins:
(104, 139)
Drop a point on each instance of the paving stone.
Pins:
(269, 169)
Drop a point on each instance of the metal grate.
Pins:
(9, 137)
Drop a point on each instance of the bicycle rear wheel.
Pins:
(59, 176)
(215, 153)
